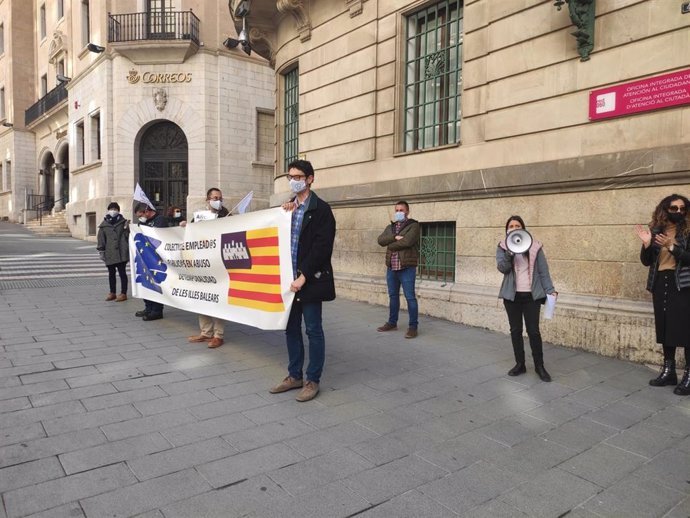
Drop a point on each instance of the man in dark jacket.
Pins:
(401, 239)
(312, 236)
(149, 217)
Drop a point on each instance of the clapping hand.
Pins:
(644, 234)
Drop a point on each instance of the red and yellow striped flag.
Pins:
(258, 285)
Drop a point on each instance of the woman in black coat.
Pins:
(665, 251)
(113, 246)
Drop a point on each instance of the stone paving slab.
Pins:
(104, 414)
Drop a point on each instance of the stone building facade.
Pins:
(473, 111)
(134, 91)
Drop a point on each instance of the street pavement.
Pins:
(103, 414)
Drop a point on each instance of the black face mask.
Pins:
(676, 217)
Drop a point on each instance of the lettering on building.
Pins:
(158, 77)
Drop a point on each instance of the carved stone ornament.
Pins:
(355, 7)
(582, 14)
(160, 99)
(299, 13)
(256, 38)
(57, 45)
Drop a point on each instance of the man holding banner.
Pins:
(212, 329)
(148, 216)
(312, 237)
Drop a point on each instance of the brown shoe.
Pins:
(387, 327)
(121, 297)
(411, 332)
(311, 388)
(111, 296)
(199, 339)
(287, 384)
(215, 342)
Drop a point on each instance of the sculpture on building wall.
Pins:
(582, 14)
(160, 99)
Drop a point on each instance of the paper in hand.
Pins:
(550, 307)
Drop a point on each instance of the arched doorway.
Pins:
(163, 165)
(46, 182)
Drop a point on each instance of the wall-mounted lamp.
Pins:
(7, 124)
(95, 48)
(63, 79)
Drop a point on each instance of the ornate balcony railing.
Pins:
(166, 25)
(45, 103)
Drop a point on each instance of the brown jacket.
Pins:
(407, 247)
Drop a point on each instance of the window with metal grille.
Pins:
(437, 251)
(291, 117)
(433, 76)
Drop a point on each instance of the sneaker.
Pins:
(387, 327)
(287, 384)
(121, 297)
(199, 339)
(111, 296)
(215, 342)
(411, 332)
(309, 392)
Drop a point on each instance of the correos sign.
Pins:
(157, 78)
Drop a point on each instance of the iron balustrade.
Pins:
(157, 25)
(50, 100)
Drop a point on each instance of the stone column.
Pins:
(57, 175)
(42, 186)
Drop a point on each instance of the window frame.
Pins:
(80, 143)
(85, 22)
(3, 104)
(95, 135)
(60, 6)
(287, 132)
(43, 85)
(447, 272)
(42, 22)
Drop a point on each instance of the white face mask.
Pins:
(215, 204)
(399, 217)
(113, 213)
(178, 214)
(298, 186)
(142, 219)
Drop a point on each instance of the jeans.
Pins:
(406, 278)
(153, 308)
(295, 342)
(122, 270)
(524, 306)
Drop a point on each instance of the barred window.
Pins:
(291, 117)
(433, 76)
(437, 251)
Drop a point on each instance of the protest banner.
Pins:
(237, 268)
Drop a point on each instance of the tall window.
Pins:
(96, 136)
(44, 85)
(433, 76)
(437, 251)
(161, 17)
(60, 9)
(7, 177)
(79, 127)
(2, 38)
(60, 68)
(3, 115)
(291, 117)
(42, 21)
(85, 23)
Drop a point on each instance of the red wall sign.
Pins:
(645, 95)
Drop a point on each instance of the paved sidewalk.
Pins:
(102, 414)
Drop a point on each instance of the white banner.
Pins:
(237, 268)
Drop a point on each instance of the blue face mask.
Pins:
(399, 217)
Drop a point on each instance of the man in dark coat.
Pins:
(149, 217)
(312, 236)
(113, 247)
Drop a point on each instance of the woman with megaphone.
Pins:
(526, 282)
(665, 249)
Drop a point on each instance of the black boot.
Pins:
(518, 369)
(667, 376)
(541, 372)
(683, 388)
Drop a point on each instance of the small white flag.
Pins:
(243, 205)
(140, 195)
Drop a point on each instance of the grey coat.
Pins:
(541, 279)
(113, 241)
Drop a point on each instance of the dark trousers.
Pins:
(524, 307)
(121, 268)
(311, 311)
(153, 308)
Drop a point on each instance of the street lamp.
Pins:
(97, 49)
(7, 124)
(63, 79)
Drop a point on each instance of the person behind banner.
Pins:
(312, 237)
(666, 251)
(149, 217)
(526, 282)
(174, 216)
(113, 247)
(212, 329)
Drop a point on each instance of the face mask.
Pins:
(178, 214)
(399, 217)
(676, 217)
(298, 186)
(113, 213)
(142, 219)
(215, 204)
